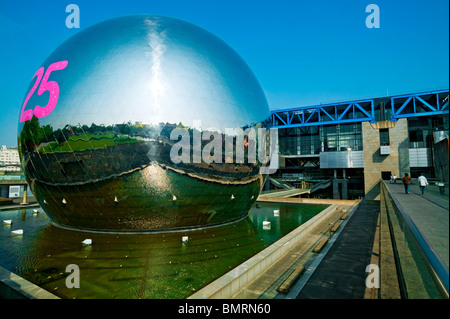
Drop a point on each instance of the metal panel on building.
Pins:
(385, 150)
(440, 136)
(419, 157)
(348, 159)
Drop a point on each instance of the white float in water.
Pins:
(185, 239)
(174, 197)
(232, 196)
(87, 242)
(7, 222)
(276, 212)
(266, 225)
(17, 232)
(64, 201)
(35, 212)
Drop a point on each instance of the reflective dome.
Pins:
(96, 130)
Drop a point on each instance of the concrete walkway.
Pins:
(266, 285)
(287, 193)
(342, 272)
(430, 213)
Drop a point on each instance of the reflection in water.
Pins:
(140, 265)
(101, 159)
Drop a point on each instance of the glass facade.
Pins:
(420, 130)
(310, 140)
(423, 155)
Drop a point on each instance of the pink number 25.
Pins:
(51, 86)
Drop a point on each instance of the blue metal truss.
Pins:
(358, 111)
(413, 105)
(420, 104)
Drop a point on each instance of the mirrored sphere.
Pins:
(112, 131)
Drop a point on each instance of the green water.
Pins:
(140, 265)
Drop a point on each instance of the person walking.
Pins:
(406, 182)
(441, 188)
(423, 182)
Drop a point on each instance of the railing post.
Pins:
(25, 198)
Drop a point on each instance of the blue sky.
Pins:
(302, 52)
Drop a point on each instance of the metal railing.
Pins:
(421, 273)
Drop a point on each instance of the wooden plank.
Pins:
(320, 245)
(289, 282)
(336, 226)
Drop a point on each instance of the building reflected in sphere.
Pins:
(99, 158)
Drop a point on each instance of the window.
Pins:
(416, 136)
(384, 137)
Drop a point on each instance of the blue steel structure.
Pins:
(420, 107)
(401, 106)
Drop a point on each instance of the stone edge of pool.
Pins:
(13, 286)
(230, 283)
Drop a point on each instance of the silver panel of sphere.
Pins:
(96, 121)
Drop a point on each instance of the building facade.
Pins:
(9, 159)
(360, 142)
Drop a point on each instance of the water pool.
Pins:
(140, 265)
